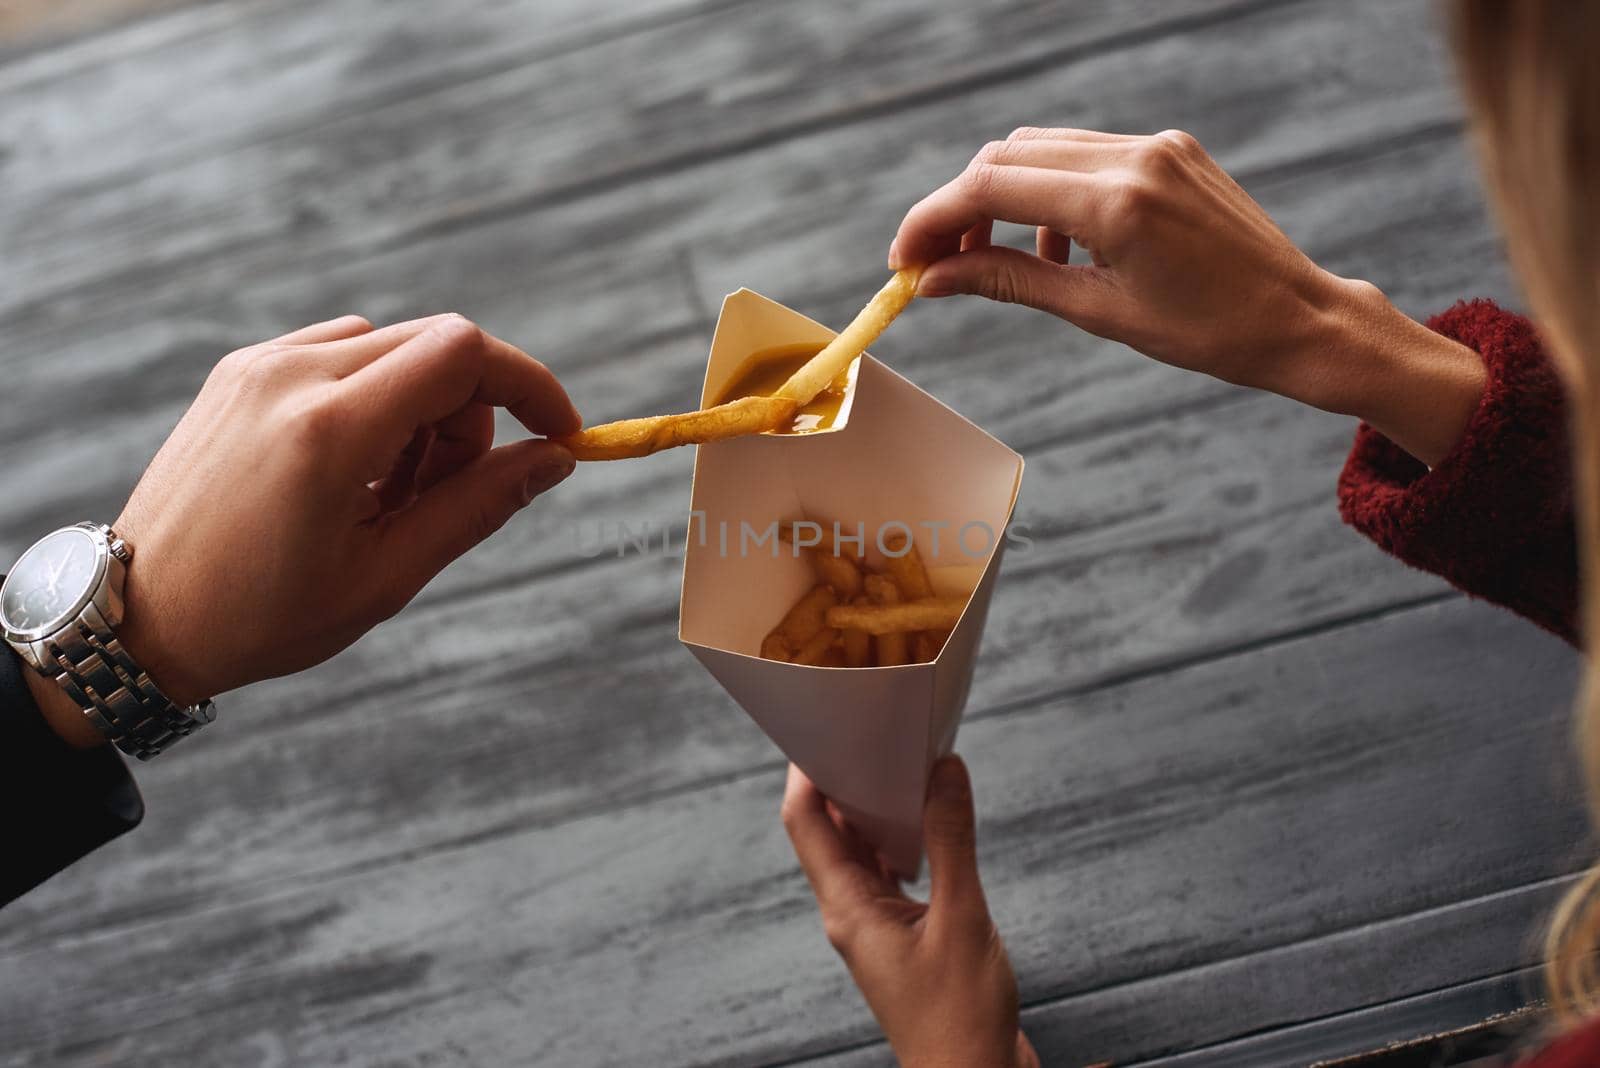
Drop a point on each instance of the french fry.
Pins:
(815, 650)
(857, 616)
(813, 377)
(834, 567)
(890, 649)
(837, 571)
(857, 643)
(846, 547)
(881, 589)
(933, 613)
(804, 620)
(907, 569)
(928, 644)
(630, 438)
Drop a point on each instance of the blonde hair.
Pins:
(1534, 91)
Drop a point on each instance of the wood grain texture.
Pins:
(34, 24)
(1248, 803)
(1380, 966)
(1238, 770)
(480, 153)
(280, 70)
(1350, 1034)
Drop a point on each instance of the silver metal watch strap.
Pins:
(116, 695)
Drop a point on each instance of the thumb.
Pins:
(471, 504)
(1015, 277)
(949, 834)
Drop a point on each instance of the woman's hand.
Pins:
(936, 976)
(1187, 269)
(316, 484)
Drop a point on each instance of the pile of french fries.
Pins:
(857, 617)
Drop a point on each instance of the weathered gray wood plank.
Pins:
(1381, 966)
(1250, 803)
(30, 26)
(1348, 1034)
(481, 153)
(279, 70)
(125, 101)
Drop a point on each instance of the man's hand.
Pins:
(316, 484)
(935, 975)
(1186, 268)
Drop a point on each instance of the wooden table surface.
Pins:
(1250, 792)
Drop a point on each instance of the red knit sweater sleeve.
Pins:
(1579, 1049)
(1495, 516)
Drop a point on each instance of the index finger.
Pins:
(824, 854)
(452, 364)
(1065, 201)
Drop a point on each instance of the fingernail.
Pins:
(547, 474)
(950, 781)
(894, 255)
(933, 286)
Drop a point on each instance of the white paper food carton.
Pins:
(896, 459)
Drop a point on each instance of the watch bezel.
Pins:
(102, 564)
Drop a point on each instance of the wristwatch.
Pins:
(60, 607)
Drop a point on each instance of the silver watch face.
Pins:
(51, 583)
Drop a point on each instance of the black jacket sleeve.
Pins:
(57, 803)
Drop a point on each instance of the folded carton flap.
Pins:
(750, 322)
